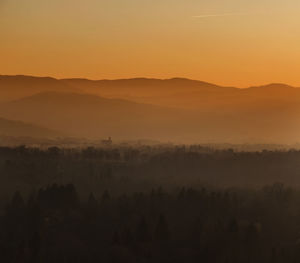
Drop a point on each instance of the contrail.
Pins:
(218, 15)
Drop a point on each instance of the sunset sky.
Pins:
(233, 42)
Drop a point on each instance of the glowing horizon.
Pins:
(231, 44)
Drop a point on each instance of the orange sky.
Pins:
(234, 42)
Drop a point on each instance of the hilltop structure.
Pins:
(107, 142)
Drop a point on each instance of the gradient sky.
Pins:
(232, 42)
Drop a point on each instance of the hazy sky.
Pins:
(232, 42)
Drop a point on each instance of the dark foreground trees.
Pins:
(149, 204)
(187, 225)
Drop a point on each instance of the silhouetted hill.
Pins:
(163, 92)
(176, 92)
(97, 117)
(273, 87)
(145, 83)
(167, 110)
(187, 94)
(92, 116)
(18, 128)
(273, 90)
(153, 91)
(14, 87)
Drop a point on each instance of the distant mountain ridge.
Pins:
(146, 82)
(167, 110)
(25, 79)
(175, 92)
(31, 84)
(14, 87)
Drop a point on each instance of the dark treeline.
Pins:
(188, 225)
(130, 169)
(149, 204)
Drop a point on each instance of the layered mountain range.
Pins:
(179, 110)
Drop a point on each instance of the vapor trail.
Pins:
(217, 15)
